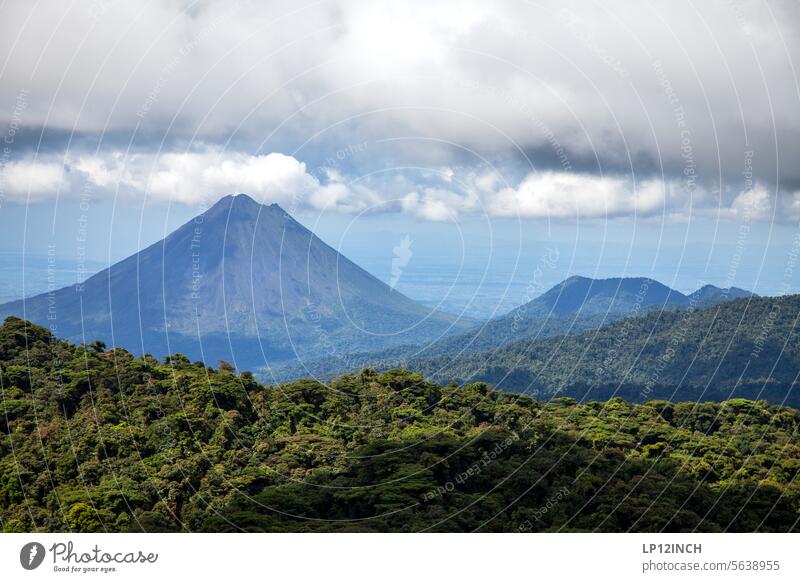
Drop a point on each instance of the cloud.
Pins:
(570, 195)
(186, 177)
(435, 204)
(195, 178)
(763, 204)
(200, 178)
(754, 204)
(191, 178)
(610, 88)
(341, 197)
(31, 180)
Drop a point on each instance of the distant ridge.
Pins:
(573, 306)
(709, 295)
(244, 282)
(597, 296)
(748, 348)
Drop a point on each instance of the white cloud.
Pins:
(32, 180)
(570, 195)
(192, 178)
(792, 207)
(339, 196)
(438, 204)
(764, 204)
(106, 172)
(754, 204)
(200, 178)
(427, 208)
(188, 176)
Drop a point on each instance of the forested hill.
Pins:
(573, 306)
(747, 347)
(99, 440)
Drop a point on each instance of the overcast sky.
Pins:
(654, 112)
(533, 108)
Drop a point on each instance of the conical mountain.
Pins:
(242, 281)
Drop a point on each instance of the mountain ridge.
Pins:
(574, 306)
(747, 347)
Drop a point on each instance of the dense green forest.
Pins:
(744, 348)
(99, 440)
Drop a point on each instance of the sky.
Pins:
(465, 140)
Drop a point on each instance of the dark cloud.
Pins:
(694, 92)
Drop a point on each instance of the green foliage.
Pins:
(745, 348)
(98, 440)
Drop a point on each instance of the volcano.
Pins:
(244, 282)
